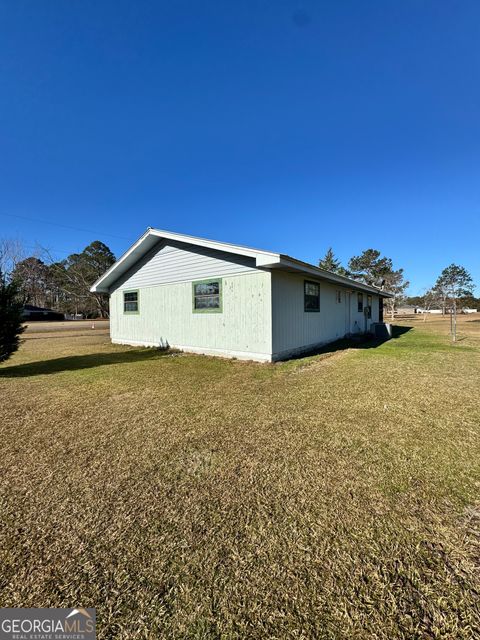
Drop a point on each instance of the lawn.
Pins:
(335, 496)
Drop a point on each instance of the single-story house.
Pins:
(216, 298)
(31, 312)
(406, 310)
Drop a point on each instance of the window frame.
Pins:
(338, 296)
(218, 309)
(369, 306)
(360, 302)
(317, 284)
(131, 313)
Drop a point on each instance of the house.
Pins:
(31, 312)
(216, 298)
(406, 310)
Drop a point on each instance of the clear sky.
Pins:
(279, 124)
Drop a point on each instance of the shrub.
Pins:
(10, 319)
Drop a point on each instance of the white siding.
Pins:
(166, 317)
(357, 323)
(262, 316)
(294, 329)
(179, 262)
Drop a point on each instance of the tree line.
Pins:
(65, 285)
(62, 285)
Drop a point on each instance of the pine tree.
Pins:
(377, 270)
(10, 319)
(329, 262)
(370, 267)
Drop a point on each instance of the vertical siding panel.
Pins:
(166, 316)
(293, 328)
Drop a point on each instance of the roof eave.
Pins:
(298, 265)
(263, 259)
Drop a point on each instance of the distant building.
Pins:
(434, 311)
(31, 313)
(406, 310)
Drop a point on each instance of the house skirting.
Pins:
(223, 353)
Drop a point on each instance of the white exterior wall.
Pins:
(262, 315)
(243, 329)
(295, 330)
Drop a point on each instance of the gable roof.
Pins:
(263, 259)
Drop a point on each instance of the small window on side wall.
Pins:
(130, 302)
(207, 296)
(338, 296)
(360, 302)
(369, 306)
(311, 298)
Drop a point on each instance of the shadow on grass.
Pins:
(360, 342)
(75, 363)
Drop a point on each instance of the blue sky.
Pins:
(291, 126)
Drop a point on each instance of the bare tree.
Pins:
(396, 285)
(430, 298)
(12, 252)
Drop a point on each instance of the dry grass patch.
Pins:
(192, 497)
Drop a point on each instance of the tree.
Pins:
(10, 318)
(73, 277)
(430, 298)
(377, 270)
(330, 263)
(86, 268)
(11, 253)
(31, 278)
(395, 283)
(454, 282)
(370, 267)
(442, 294)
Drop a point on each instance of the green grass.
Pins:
(334, 496)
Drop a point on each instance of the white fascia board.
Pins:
(240, 250)
(123, 261)
(268, 260)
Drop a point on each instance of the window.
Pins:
(360, 302)
(369, 306)
(130, 302)
(207, 296)
(338, 296)
(311, 297)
